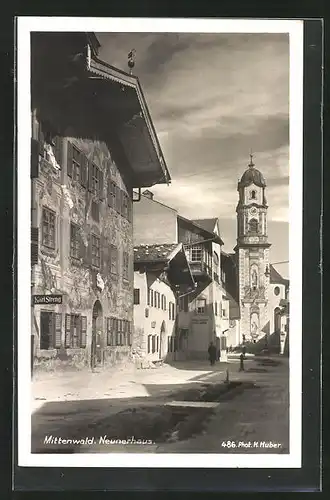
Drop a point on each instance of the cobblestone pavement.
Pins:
(257, 415)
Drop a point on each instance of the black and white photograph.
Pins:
(159, 242)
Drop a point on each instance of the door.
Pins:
(46, 330)
(277, 320)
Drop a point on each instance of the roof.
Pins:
(275, 277)
(196, 223)
(155, 253)
(207, 224)
(252, 176)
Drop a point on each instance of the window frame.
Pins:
(201, 310)
(96, 258)
(52, 224)
(75, 247)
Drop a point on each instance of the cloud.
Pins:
(212, 97)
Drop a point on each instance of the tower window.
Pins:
(253, 195)
(253, 226)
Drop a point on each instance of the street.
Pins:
(187, 407)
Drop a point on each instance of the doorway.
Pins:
(277, 320)
(97, 335)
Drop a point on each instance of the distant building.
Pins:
(93, 141)
(161, 276)
(257, 293)
(200, 312)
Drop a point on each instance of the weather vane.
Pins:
(131, 60)
(251, 164)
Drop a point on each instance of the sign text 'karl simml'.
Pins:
(46, 299)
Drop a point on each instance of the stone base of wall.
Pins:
(58, 360)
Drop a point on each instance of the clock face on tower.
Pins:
(253, 211)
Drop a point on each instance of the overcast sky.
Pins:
(212, 98)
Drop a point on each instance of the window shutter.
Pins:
(34, 245)
(41, 140)
(129, 333)
(34, 158)
(136, 296)
(83, 338)
(58, 331)
(105, 250)
(118, 199)
(101, 186)
(58, 149)
(82, 246)
(67, 330)
(90, 176)
(129, 208)
(69, 159)
(84, 170)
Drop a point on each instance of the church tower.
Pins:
(252, 253)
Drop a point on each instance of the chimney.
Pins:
(148, 194)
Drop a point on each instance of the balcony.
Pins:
(200, 270)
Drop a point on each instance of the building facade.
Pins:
(252, 254)
(202, 314)
(161, 276)
(92, 143)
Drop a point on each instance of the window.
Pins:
(195, 253)
(157, 343)
(216, 259)
(157, 300)
(224, 313)
(50, 330)
(136, 296)
(125, 265)
(149, 343)
(124, 207)
(113, 259)
(216, 308)
(95, 251)
(48, 228)
(119, 332)
(74, 241)
(253, 226)
(112, 194)
(76, 164)
(253, 195)
(111, 331)
(95, 212)
(200, 306)
(171, 310)
(75, 331)
(153, 343)
(95, 179)
(277, 290)
(151, 297)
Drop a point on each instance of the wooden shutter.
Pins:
(136, 296)
(90, 176)
(58, 330)
(101, 185)
(118, 199)
(69, 159)
(129, 325)
(68, 330)
(34, 245)
(58, 149)
(83, 331)
(35, 149)
(104, 251)
(129, 208)
(84, 170)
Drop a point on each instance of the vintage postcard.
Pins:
(159, 242)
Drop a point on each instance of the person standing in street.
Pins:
(212, 351)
